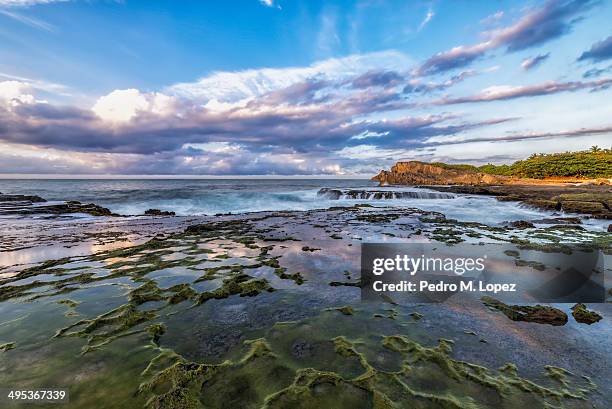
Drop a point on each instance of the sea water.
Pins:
(189, 197)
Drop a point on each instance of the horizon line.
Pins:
(61, 176)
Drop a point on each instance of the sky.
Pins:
(287, 87)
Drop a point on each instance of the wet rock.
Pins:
(21, 198)
(337, 194)
(157, 212)
(594, 200)
(417, 316)
(78, 207)
(584, 207)
(539, 313)
(522, 224)
(545, 204)
(26, 207)
(565, 227)
(346, 310)
(559, 220)
(610, 228)
(583, 315)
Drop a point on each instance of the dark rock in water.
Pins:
(76, 207)
(21, 198)
(539, 313)
(583, 315)
(24, 205)
(337, 194)
(522, 224)
(610, 228)
(157, 212)
(559, 220)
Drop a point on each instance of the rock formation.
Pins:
(419, 173)
(347, 194)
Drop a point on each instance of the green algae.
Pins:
(310, 249)
(539, 314)
(7, 346)
(346, 283)
(107, 327)
(346, 310)
(416, 315)
(267, 375)
(583, 315)
(240, 284)
(155, 331)
(392, 314)
(69, 303)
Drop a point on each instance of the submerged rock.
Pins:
(539, 313)
(583, 315)
(522, 224)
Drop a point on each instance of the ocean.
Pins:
(190, 197)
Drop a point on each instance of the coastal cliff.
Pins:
(592, 197)
(419, 173)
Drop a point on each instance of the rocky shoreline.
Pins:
(265, 308)
(593, 198)
(31, 204)
(226, 304)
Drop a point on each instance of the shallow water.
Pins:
(257, 344)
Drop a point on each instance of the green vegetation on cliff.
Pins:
(594, 163)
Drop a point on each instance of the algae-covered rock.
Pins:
(585, 316)
(346, 310)
(157, 212)
(522, 224)
(417, 316)
(584, 207)
(539, 313)
(6, 347)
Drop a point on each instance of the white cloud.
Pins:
(24, 3)
(215, 147)
(14, 93)
(221, 88)
(267, 3)
(123, 105)
(428, 17)
(30, 21)
(493, 18)
(39, 85)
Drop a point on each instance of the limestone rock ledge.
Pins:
(419, 173)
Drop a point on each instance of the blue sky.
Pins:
(297, 87)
